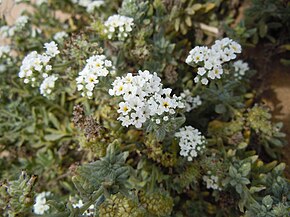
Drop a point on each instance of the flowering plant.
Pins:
(118, 112)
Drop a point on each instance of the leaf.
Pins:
(263, 29)
(245, 169)
(209, 6)
(53, 137)
(160, 134)
(54, 120)
(256, 189)
(176, 24)
(268, 201)
(220, 109)
(188, 21)
(233, 172)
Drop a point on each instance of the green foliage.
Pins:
(78, 148)
(16, 196)
(111, 172)
(265, 21)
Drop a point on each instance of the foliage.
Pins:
(267, 21)
(199, 149)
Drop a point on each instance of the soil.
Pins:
(272, 84)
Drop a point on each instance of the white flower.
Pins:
(20, 22)
(4, 50)
(97, 66)
(189, 101)
(93, 5)
(191, 142)
(59, 36)
(240, 69)
(88, 212)
(144, 99)
(118, 26)
(211, 60)
(90, 5)
(40, 2)
(47, 85)
(4, 31)
(35, 67)
(40, 206)
(212, 181)
(51, 49)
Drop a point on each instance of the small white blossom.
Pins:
(211, 60)
(118, 26)
(4, 31)
(191, 142)
(4, 50)
(51, 49)
(190, 102)
(144, 99)
(47, 85)
(35, 68)
(59, 36)
(90, 5)
(240, 69)
(21, 22)
(97, 66)
(88, 212)
(40, 2)
(40, 206)
(212, 181)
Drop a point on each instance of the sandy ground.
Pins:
(277, 96)
(276, 82)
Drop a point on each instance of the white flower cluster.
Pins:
(118, 26)
(97, 66)
(4, 50)
(191, 142)
(40, 206)
(40, 2)
(212, 181)
(9, 31)
(35, 68)
(47, 85)
(190, 101)
(210, 60)
(240, 69)
(90, 5)
(59, 36)
(88, 212)
(144, 98)
(51, 49)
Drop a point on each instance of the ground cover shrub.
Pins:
(134, 108)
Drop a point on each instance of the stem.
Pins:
(92, 199)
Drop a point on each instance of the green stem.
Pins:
(92, 199)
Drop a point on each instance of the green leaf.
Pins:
(245, 169)
(53, 137)
(263, 29)
(220, 109)
(160, 134)
(256, 189)
(268, 201)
